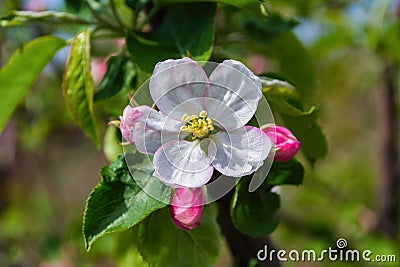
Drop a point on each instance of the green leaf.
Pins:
(295, 63)
(118, 203)
(184, 28)
(120, 74)
(137, 5)
(254, 214)
(76, 5)
(77, 85)
(24, 66)
(272, 37)
(294, 60)
(20, 18)
(284, 98)
(267, 29)
(307, 130)
(254, 6)
(291, 172)
(161, 243)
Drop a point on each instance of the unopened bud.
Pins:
(286, 144)
(187, 207)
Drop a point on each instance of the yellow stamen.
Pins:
(198, 126)
(185, 129)
(197, 133)
(203, 114)
(185, 117)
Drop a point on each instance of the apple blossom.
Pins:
(200, 125)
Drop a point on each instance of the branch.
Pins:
(389, 180)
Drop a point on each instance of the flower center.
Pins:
(199, 127)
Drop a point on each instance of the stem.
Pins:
(389, 180)
(243, 247)
(8, 144)
(102, 23)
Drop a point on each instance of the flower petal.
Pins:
(240, 152)
(182, 163)
(152, 129)
(259, 145)
(174, 82)
(129, 117)
(232, 87)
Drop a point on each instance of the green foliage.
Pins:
(295, 62)
(284, 98)
(120, 75)
(307, 130)
(137, 5)
(303, 122)
(254, 6)
(118, 203)
(291, 172)
(161, 243)
(267, 29)
(272, 37)
(254, 213)
(77, 85)
(75, 4)
(24, 66)
(245, 30)
(193, 35)
(155, 31)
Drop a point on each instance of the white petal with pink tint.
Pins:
(174, 82)
(153, 129)
(233, 87)
(239, 152)
(128, 119)
(182, 163)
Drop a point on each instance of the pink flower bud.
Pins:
(286, 144)
(99, 68)
(127, 120)
(187, 207)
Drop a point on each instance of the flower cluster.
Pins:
(201, 127)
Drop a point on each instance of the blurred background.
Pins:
(48, 167)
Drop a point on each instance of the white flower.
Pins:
(201, 123)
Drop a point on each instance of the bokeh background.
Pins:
(48, 167)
